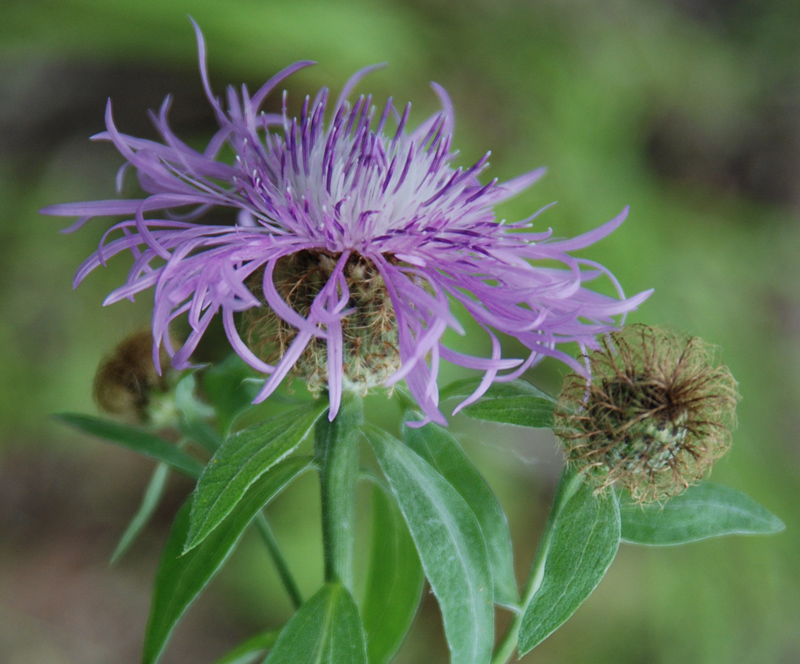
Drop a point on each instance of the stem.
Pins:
(567, 485)
(336, 446)
(276, 554)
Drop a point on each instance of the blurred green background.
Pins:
(688, 110)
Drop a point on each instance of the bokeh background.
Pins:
(688, 110)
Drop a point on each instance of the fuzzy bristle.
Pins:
(656, 415)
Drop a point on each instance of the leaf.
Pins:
(336, 448)
(580, 546)
(134, 439)
(443, 452)
(460, 389)
(229, 391)
(247, 651)
(150, 500)
(515, 402)
(182, 576)
(240, 461)
(394, 581)
(326, 630)
(202, 433)
(450, 545)
(704, 510)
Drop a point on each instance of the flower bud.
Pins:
(127, 384)
(656, 414)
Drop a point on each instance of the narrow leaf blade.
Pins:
(182, 577)
(240, 461)
(702, 511)
(394, 581)
(461, 389)
(134, 439)
(249, 650)
(585, 539)
(325, 630)
(521, 411)
(450, 545)
(516, 402)
(150, 500)
(441, 450)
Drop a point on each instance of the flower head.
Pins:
(656, 415)
(354, 235)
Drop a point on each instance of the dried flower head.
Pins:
(126, 381)
(656, 415)
(349, 238)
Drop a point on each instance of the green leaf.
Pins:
(580, 545)
(394, 581)
(134, 439)
(241, 460)
(442, 451)
(181, 577)
(515, 402)
(228, 389)
(450, 544)
(326, 630)
(336, 447)
(704, 510)
(248, 651)
(202, 433)
(150, 500)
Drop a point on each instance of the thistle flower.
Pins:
(354, 238)
(656, 415)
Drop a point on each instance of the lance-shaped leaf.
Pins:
(134, 439)
(181, 577)
(325, 630)
(450, 545)
(515, 402)
(704, 510)
(441, 450)
(248, 651)
(394, 581)
(150, 500)
(240, 461)
(580, 545)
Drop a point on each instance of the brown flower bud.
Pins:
(656, 414)
(126, 380)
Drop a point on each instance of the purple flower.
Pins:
(358, 197)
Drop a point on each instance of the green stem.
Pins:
(337, 454)
(276, 554)
(567, 486)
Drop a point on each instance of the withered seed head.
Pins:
(126, 380)
(656, 415)
(369, 334)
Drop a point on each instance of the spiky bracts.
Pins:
(656, 415)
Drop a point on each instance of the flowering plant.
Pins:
(351, 243)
